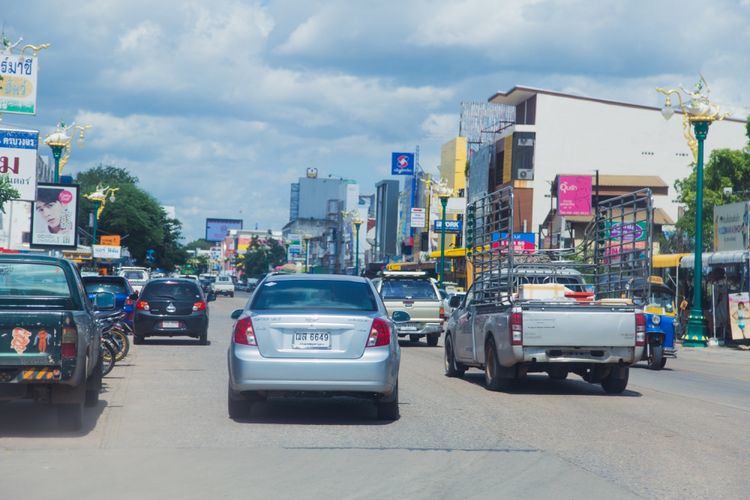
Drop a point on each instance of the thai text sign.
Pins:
(110, 239)
(18, 160)
(731, 226)
(627, 231)
(106, 252)
(574, 195)
(18, 84)
(418, 217)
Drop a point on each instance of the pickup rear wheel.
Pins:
(617, 380)
(432, 339)
(492, 379)
(452, 368)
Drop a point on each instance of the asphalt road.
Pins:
(162, 431)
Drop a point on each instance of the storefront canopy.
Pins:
(716, 258)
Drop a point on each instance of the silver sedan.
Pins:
(316, 334)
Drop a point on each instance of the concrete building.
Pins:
(555, 133)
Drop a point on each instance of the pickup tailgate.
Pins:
(578, 325)
(30, 338)
(423, 311)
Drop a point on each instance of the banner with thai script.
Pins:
(574, 195)
(18, 84)
(18, 152)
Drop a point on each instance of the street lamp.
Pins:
(357, 221)
(443, 192)
(307, 238)
(699, 112)
(99, 197)
(59, 142)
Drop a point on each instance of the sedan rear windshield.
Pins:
(408, 289)
(135, 275)
(315, 294)
(110, 286)
(171, 291)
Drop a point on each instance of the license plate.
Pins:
(311, 340)
(407, 327)
(170, 324)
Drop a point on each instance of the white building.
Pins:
(568, 134)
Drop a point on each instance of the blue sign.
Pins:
(402, 163)
(451, 226)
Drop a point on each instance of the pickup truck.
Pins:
(136, 276)
(50, 347)
(223, 286)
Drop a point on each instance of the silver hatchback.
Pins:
(316, 334)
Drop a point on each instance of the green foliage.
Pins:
(135, 215)
(7, 192)
(200, 243)
(262, 256)
(726, 168)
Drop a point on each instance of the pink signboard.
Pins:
(574, 195)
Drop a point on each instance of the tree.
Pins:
(726, 168)
(200, 243)
(262, 255)
(7, 192)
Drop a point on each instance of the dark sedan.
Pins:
(171, 307)
(125, 296)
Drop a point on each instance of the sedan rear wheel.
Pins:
(388, 407)
(237, 406)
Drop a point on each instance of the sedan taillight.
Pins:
(199, 306)
(142, 305)
(244, 333)
(380, 333)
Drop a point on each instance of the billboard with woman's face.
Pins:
(54, 216)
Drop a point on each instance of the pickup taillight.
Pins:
(69, 344)
(516, 328)
(640, 329)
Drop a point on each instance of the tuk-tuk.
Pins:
(658, 302)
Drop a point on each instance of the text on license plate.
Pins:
(170, 324)
(311, 340)
(407, 327)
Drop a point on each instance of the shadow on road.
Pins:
(27, 419)
(314, 411)
(172, 341)
(410, 344)
(538, 384)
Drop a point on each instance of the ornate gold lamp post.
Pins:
(697, 114)
(99, 197)
(60, 142)
(443, 192)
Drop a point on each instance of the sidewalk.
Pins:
(716, 354)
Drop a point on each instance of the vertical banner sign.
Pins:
(18, 150)
(574, 195)
(18, 86)
(53, 220)
(402, 163)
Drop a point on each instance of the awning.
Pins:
(716, 258)
(668, 260)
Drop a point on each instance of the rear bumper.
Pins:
(375, 372)
(422, 329)
(596, 355)
(148, 326)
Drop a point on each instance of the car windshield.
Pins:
(104, 286)
(171, 290)
(35, 280)
(315, 294)
(407, 289)
(134, 275)
(662, 297)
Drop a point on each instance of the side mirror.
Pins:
(455, 301)
(236, 313)
(104, 301)
(400, 316)
(211, 297)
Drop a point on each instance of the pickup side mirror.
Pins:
(236, 313)
(104, 301)
(454, 302)
(400, 316)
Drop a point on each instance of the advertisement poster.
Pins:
(402, 163)
(739, 315)
(18, 90)
(574, 195)
(18, 150)
(217, 229)
(53, 220)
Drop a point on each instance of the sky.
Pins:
(218, 106)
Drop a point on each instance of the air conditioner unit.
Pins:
(526, 174)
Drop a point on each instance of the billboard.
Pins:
(18, 85)
(731, 226)
(402, 163)
(574, 195)
(53, 220)
(216, 229)
(451, 226)
(18, 160)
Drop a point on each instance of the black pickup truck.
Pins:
(50, 345)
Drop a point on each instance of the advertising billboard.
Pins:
(574, 195)
(18, 89)
(53, 220)
(731, 227)
(402, 163)
(216, 229)
(18, 160)
(451, 226)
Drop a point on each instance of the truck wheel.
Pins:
(452, 368)
(70, 416)
(432, 339)
(656, 360)
(231, 294)
(558, 375)
(237, 406)
(617, 380)
(492, 380)
(388, 407)
(94, 385)
(413, 338)
(137, 339)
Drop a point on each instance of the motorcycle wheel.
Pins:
(108, 358)
(123, 343)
